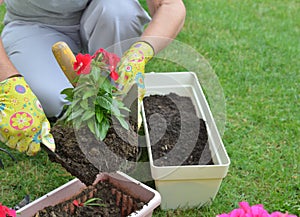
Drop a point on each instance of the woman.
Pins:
(33, 26)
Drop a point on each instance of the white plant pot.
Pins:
(187, 186)
(126, 183)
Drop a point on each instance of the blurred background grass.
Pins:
(253, 47)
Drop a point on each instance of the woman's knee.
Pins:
(52, 102)
(110, 21)
(121, 11)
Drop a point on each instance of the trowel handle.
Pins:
(65, 58)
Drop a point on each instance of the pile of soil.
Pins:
(114, 203)
(82, 155)
(177, 135)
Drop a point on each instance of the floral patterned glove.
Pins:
(23, 124)
(132, 68)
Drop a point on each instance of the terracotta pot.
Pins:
(125, 188)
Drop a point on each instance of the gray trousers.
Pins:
(112, 24)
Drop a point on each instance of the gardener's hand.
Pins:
(23, 124)
(132, 68)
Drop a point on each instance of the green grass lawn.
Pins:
(253, 47)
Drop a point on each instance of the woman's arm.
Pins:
(7, 69)
(168, 17)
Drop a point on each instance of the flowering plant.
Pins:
(7, 212)
(89, 202)
(95, 100)
(245, 210)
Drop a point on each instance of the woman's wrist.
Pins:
(7, 69)
(4, 76)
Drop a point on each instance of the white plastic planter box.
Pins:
(135, 188)
(187, 186)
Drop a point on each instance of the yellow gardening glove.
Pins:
(23, 124)
(132, 69)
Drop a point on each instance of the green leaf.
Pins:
(77, 123)
(108, 97)
(74, 103)
(67, 91)
(105, 124)
(84, 104)
(95, 72)
(75, 114)
(69, 94)
(121, 105)
(87, 115)
(97, 130)
(88, 94)
(115, 111)
(91, 201)
(125, 109)
(99, 116)
(106, 85)
(91, 126)
(66, 115)
(104, 102)
(79, 87)
(123, 123)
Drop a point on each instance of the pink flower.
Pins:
(258, 211)
(238, 213)
(245, 210)
(83, 64)
(7, 212)
(245, 206)
(234, 213)
(223, 215)
(279, 214)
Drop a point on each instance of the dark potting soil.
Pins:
(177, 135)
(113, 203)
(82, 155)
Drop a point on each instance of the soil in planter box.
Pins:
(114, 203)
(118, 151)
(177, 135)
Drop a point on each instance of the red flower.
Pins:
(114, 75)
(5, 211)
(83, 63)
(76, 203)
(101, 50)
(111, 59)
